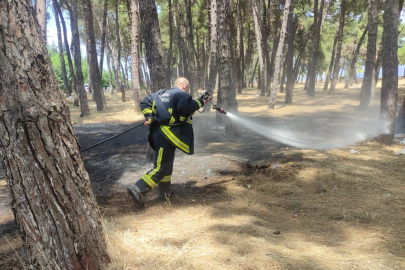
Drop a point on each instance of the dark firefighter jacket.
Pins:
(170, 111)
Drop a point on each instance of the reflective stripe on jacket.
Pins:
(167, 108)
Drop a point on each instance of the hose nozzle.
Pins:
(221, 110)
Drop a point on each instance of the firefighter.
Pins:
(169, 116)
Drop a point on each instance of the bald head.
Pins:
(182, 83)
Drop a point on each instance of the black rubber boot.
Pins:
(165, 190)
(137, 191)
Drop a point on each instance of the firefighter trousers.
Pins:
(161, 173)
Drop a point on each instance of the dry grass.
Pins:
(307, 210)
(314, 210)
(116, 111)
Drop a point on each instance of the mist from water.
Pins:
(321, 134)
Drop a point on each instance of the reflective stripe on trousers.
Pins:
(163, 162)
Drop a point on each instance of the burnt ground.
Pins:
(121, 161)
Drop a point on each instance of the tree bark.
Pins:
(228, 93)
(69, 57)
(279, 55)
(170, 52)
(352, 68)
(94, 72)
(136, 88)
(315, 45)
(103, 34)
(259, 40)
(389, 89)
(191, 52)
(51, 194)
(118, 82)
(290, 56)
(338, 49)
(68, 90)
(40, 10)
(332, 62)
(239, 48)
(84, 105)
(368, 78)
(153, 43)
(213, 49)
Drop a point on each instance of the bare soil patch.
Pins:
(247, 202)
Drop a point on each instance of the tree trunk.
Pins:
(315, 45)
(259, 46)
(228, 93)
(84, 105)
(265, 32)
(136, 88)
(239, 47)
(339, 48)
(191, 60)
(368, 78)
(69, 57)
(52, 200)
(276, 39)
(213, 50)
(352, 68)
(40, 10)
(389, 89)
(94, 71)
(279, 55)
(153, 43)
(290, 56)
(118, 82)
(331, 63)
(253, 73)
(169, 53)
(68, 90)
(103, 34)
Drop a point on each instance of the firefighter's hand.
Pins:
(206, 100)
(146, 122)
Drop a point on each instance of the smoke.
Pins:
(318, 132)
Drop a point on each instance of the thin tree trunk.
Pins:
(332, 62)
(259, 46)
(68, 90)
(213, 49)
(276, 39)
(52, 200)
(118, 82)
(191, 60)
(136, 88)
(103, 34)
(40, 10)
(354, 60)
(253, 73)
(315, 45)
(290, 57)
(94, 72)
(170, 52)
(69, 57)
(153, 43)
(339, 48)
(368, 79)
(228, 93)
(279, 55)
(239, 47)
(84, 105)
(389, 89)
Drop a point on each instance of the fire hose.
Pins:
(205, 95)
